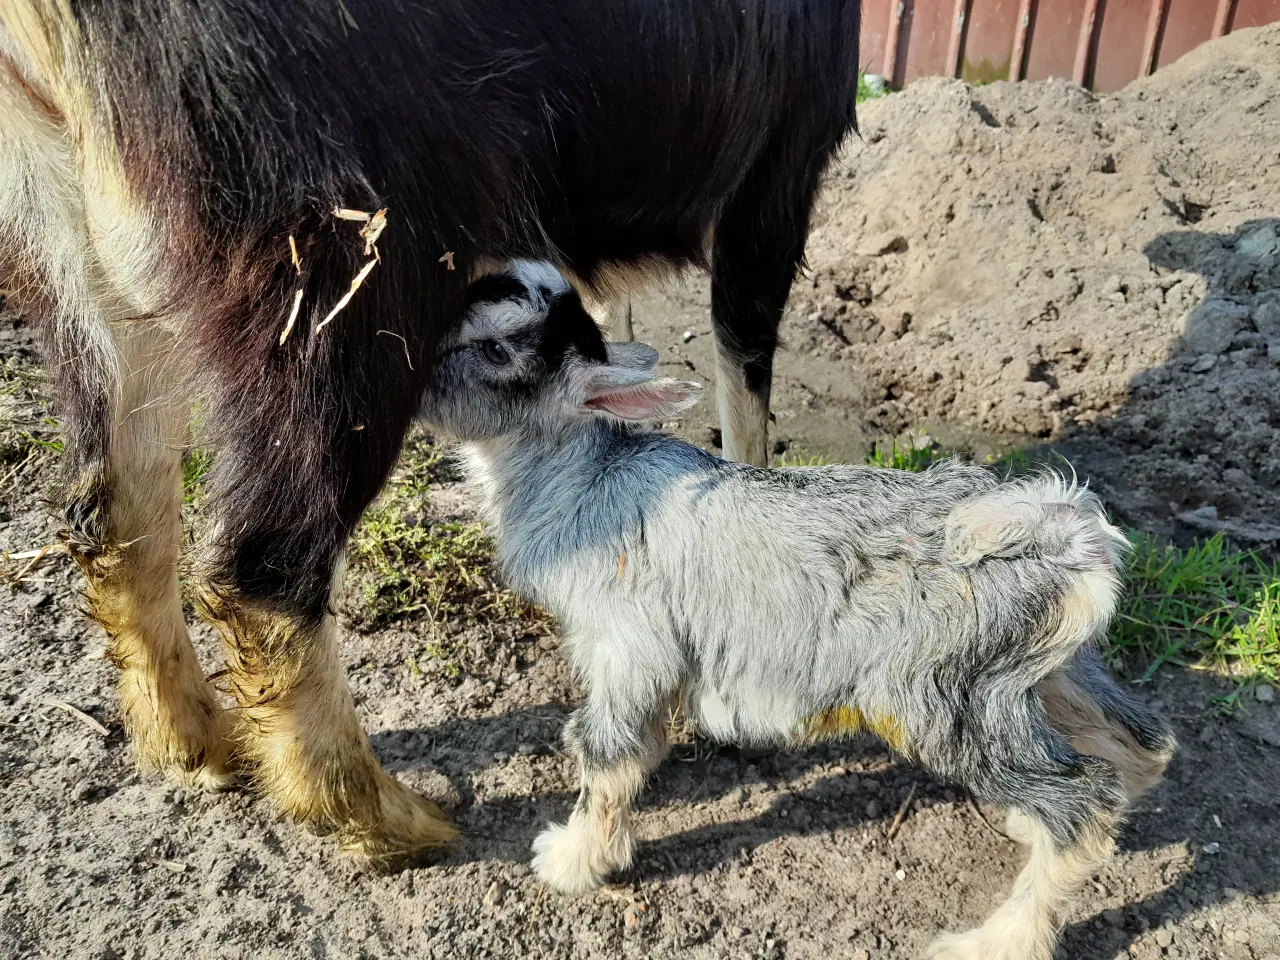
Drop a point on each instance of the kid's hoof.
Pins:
(564, 861)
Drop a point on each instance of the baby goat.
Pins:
(952, 615)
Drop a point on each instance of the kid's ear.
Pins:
(638, 396)
(635, 356)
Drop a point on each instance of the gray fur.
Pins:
(761, 599)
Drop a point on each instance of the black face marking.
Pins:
(495, 288)
(570, 328)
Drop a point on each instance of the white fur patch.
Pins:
(744, 416)
(570, 858)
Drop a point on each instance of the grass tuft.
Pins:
(195, 469)
(905, 456)
(794, 458)
(407, 566)
(871, 87)
(1207, 607)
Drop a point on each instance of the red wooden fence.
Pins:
(1101, 44)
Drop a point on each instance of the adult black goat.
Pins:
(190, 195)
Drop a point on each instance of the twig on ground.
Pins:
(12, 474)
(36, 558)
(973, 805)
(80, 715)
(902, 813)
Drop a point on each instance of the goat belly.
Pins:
(772, 717)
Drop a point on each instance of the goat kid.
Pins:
(952, 615)
(179, 189)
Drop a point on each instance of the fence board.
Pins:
(988, 41)
(1118, 49)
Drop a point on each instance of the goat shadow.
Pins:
(1222, 789)
(1193, 452)
(692, 773)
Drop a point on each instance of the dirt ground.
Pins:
(1008, 266)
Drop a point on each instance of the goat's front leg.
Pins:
(615, 756)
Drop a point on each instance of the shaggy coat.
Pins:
(272, 210)
(952, 615)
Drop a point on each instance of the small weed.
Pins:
(904, 457)
(797, 459)
(425, 463)
(1205, 607)
(871, 87)
(1011, 463)
(47, 444)
(407, 566)
(195, 468)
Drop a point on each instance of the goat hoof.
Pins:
(977, 945)
(563, 860)
(210, 778)
(194, 755)
(959, 946)
(407, 826)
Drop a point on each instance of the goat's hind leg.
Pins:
(577, 856)
(1085, 705)
(1099, 719)
(123, 506)
(1070, 805)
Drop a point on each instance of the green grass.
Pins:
(867, 91)
(888, 454)
(1207, 607)
(905, 456)
(407, 566)
(195, 468)
(794, 458)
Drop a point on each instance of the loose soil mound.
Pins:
(1029, 262)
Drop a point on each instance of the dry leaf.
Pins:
(293, 251)
(293, 317)
(346, 297)
(372, 230)
(358, 215)
(447, 259)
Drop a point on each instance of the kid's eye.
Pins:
(495, 353)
